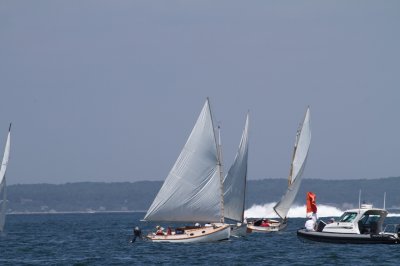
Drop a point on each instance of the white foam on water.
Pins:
(259, 211)
(266, 210)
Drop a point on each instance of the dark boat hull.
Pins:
(348, 238)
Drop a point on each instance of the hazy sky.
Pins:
(110, 90)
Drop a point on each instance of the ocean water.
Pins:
(104, 239)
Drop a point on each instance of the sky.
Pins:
(110, 90)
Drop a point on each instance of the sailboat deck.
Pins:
(189, 234)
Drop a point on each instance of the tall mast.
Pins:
(219, 163)
(245, 178)
(294, 154)
(221, 174)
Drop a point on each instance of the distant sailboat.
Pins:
(192, 191)
(235, 186)
(3, 194)
(300, 153)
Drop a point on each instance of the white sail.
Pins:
(191, 192)
(235, 180)
(3, 198)
(302, 144)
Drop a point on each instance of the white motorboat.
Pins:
(356, 226)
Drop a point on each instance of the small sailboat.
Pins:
(235, 186)
(3, 192)
(193, 189)
(299, 158)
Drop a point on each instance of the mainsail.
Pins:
(3, 198)
(235, 180)
(300, 152)
(192, 191)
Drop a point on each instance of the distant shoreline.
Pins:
(122, 197)
(162, 180)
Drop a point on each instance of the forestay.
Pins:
(191, 192)
(302, 144)
(235, 180)
(3, 198)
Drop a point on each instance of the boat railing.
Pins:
(392, 228)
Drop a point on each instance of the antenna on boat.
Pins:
(359, 201)
(384, 200)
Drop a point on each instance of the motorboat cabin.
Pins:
(365, 220)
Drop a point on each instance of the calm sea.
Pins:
(103, 239)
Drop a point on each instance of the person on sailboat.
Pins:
(159, 231)
(265, 223)
(137, 233)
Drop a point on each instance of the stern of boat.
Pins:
(239, 229)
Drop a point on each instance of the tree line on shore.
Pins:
(137, 196)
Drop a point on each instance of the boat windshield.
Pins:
(370, 218)
(348, 217)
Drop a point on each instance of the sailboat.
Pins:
(3, 194)
(193, 189)
(235, 187)
(299, 158)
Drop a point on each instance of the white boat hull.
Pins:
(275, 226)
(238, 230)
(382, 238)
(195, 235)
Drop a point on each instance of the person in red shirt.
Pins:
(265, 223)
(159, 231)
